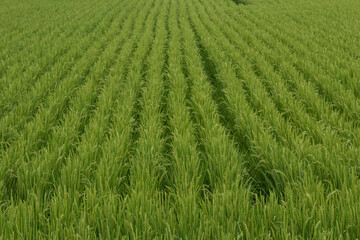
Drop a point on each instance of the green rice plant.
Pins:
(169, 119)
(28, 38)
(148, 163)
(306, 123)
(31, 34)
(322, 81)
(222, 161)
(39, 97)
(70, 181)
(220, 148)
(224, 65)
(13, 91)
(37, 131)
(185, 172)
(282, 129)
(49, 161)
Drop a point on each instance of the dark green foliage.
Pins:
(242, 2)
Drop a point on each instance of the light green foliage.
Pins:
(179, 119)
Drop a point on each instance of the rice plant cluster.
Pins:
(179, 119)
